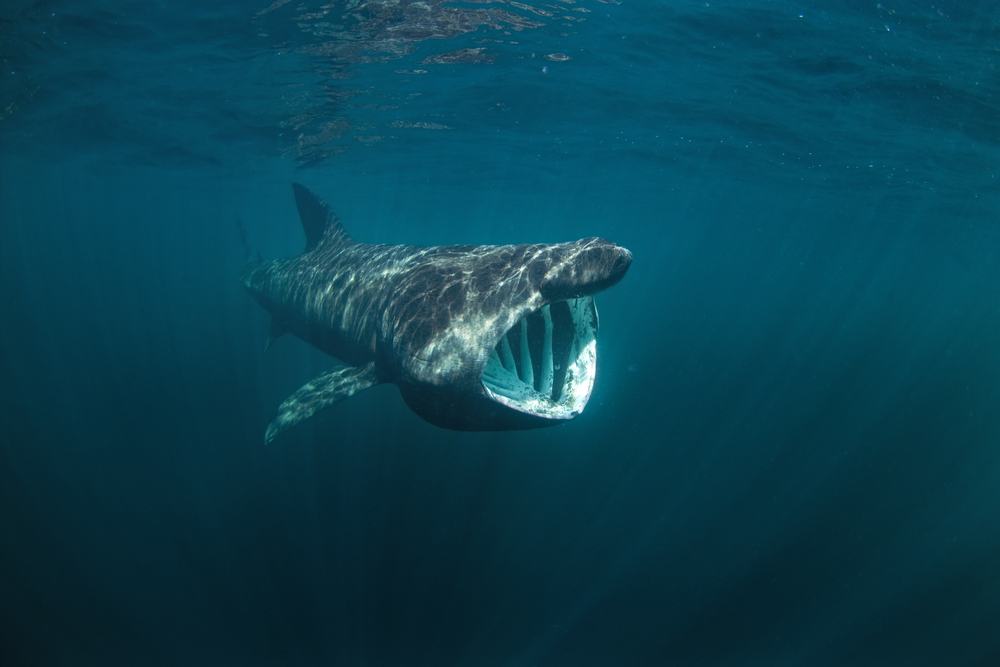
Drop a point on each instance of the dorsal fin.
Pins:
(319, 222)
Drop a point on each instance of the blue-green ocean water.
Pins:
(792, 452)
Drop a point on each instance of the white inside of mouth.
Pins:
(546, 365)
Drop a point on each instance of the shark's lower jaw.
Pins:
(546, 364)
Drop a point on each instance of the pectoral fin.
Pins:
(319, 393)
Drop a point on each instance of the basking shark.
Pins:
(477, 338)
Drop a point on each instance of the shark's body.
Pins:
(476, 337)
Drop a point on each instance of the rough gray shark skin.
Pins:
(476, 337)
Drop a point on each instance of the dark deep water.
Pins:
(792, 453)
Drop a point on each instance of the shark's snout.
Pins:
(585, 268)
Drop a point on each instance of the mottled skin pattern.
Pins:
(426, 317)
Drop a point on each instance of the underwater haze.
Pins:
(791, 455)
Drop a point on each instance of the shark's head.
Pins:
(502, 337)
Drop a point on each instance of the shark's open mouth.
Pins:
(545, 365)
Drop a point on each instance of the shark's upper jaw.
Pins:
(546, 363)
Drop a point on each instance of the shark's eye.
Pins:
(546, 363)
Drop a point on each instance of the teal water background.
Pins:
(792, 453)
